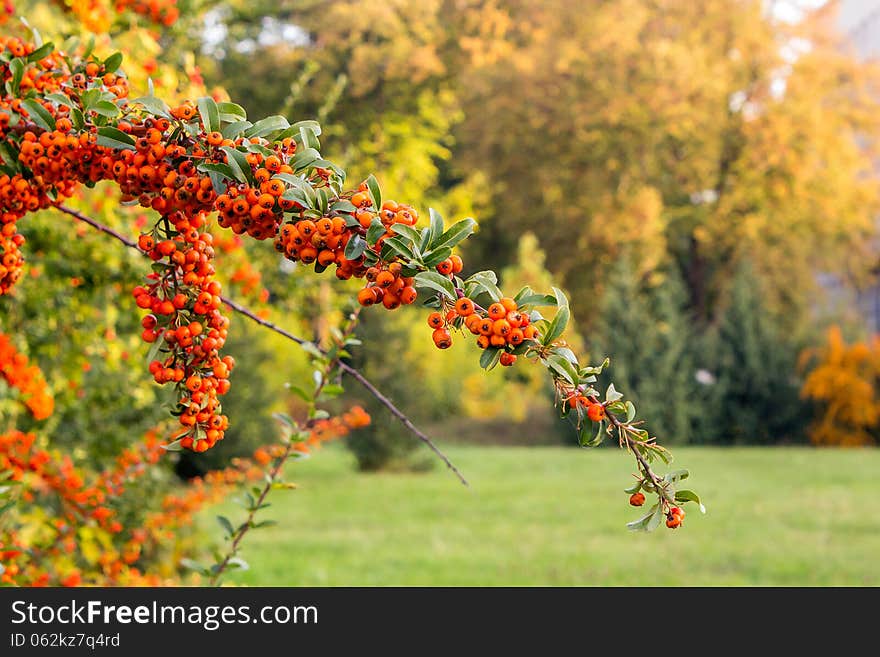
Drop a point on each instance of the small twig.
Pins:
(621, 428)
(246, 525)
(348, 369)
(387, 403)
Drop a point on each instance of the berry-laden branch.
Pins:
(67, 121)
(353, 372)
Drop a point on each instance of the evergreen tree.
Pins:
(647, 329)
(754, 398)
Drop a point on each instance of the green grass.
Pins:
(556, 516)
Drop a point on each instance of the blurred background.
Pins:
(700, 177)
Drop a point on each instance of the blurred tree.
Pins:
(844, 384)
(648, 330)
(704, 130)
(752, 358)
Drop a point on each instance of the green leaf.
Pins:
(234, 130)
(526, 297)
(60, 99)
(435, 256)
(561, 299)
(267, 126)
(654, 520)
(224, 522)
(306, 193)
(632, 490)
(557, 325)
(343, 206)
(77, 117)
(113, 62)
(563, 367)
(457, 232)
(676, 476)
(173, 446)
(271, 523)
(299, 392)
(155, 106)
(642, 523)
(399, 246)
(409, 233)
(237, 161)
(16, 67)
(375, 191)
(308, 137)
(304, 159)
(196, 566)
(630, 412)
(224, 170)
(39, 114)
(332, 390)
(355, 247)
(210, 113)
(9, 156)
(231, 112)
(436, 281)
(40, 52)
(323, 200)
(487, 281)
(115, 138)
(294, 130)
(433, 230)
(611, 394)
(375, 231)
(105, 108)
(585, 431)
(490, 357)
(689, 496)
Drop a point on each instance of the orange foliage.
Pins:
(73, 500)
(14, 368)
(845, 385)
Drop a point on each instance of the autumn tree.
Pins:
(699, 132)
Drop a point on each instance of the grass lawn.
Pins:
(556, 516)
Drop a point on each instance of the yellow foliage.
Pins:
(845, 383)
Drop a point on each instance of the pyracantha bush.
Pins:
(66, 120)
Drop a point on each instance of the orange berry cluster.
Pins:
(256, 210)
(322, 241)
(184, 304)
(11, 259)
(33, 559)
(18, 373)
(162, 12)
(160, 172)
(387, 285)
(7, 11)
(502, 325)
(675, 517)
(175, 162)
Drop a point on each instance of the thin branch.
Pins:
(348, 369)
(630, 444)
(387, 403)
(249, 521)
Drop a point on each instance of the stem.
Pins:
(276, 469)
(631, 446)
(243, 310)
(246, 526)
(387, 403)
